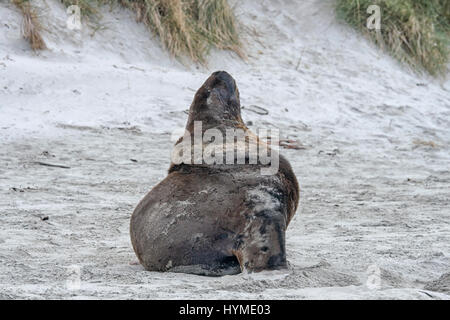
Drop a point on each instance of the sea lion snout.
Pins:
(216, 102)
(224, 84)
(222, 92)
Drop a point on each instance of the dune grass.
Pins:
(31, 27)
(185, 27)
(416, 32)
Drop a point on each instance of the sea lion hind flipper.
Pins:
(228, 266)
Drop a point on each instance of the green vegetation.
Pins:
(416, 32)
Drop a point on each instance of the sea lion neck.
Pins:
(216, 103)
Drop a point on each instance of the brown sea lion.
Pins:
(216, 219)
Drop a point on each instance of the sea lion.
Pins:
(216, 219)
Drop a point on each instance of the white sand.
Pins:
(372, 201)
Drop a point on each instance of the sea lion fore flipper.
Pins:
(262, 244)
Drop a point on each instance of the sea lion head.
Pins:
(216, 103)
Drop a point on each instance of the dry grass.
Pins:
(418, 142)
(185, 27)
(190, 27)
(31, 27)
(416, 32)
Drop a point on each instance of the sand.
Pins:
(102, 105)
